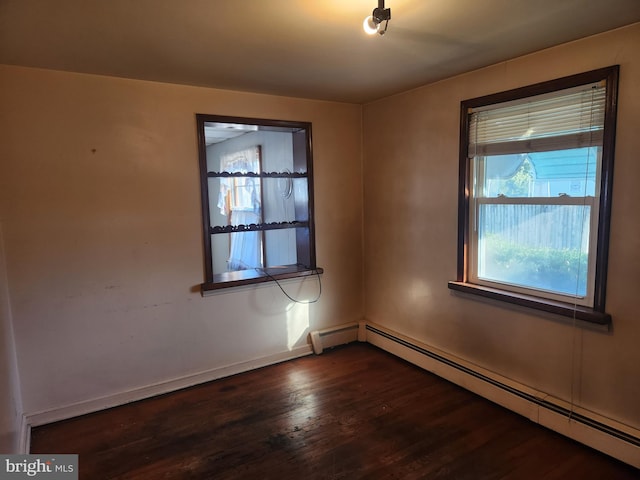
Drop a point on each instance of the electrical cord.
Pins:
(267, 274)
(302, 302)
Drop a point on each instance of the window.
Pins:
(257, 200)
(536, 171)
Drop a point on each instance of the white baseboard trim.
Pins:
(122, 398)
(606, 435)
(24, 439)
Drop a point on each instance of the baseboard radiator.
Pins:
(608, 436)
(334, 336)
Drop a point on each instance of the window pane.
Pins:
(570, 172)
(237, 251)
(508, 175)
(542, 247)
(240, 197)
(279, 199)
(281, 247)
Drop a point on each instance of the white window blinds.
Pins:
(570, 118)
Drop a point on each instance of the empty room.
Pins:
(321, 239)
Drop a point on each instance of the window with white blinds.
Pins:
(570, 118)
(536, 175)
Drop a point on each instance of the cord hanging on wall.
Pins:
(373, 23)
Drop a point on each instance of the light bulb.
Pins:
(370, 26)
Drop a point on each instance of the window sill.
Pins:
(253, 276)
(559, 308)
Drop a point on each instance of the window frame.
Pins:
(305, 231)
(567, 200)
(595, 312)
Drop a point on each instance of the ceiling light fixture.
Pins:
(373, 23)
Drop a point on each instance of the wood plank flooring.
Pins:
(354, 412)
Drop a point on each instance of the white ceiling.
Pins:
(303, 48)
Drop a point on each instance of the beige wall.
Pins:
(100, 206)
(410, 186)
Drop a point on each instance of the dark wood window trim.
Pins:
(305, 229)
(597, 313)
(559, 308)
(249, 277)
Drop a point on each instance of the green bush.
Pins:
(560, 270)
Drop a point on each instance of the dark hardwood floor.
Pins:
(351, 413)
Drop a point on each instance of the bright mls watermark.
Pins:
(51, 467)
